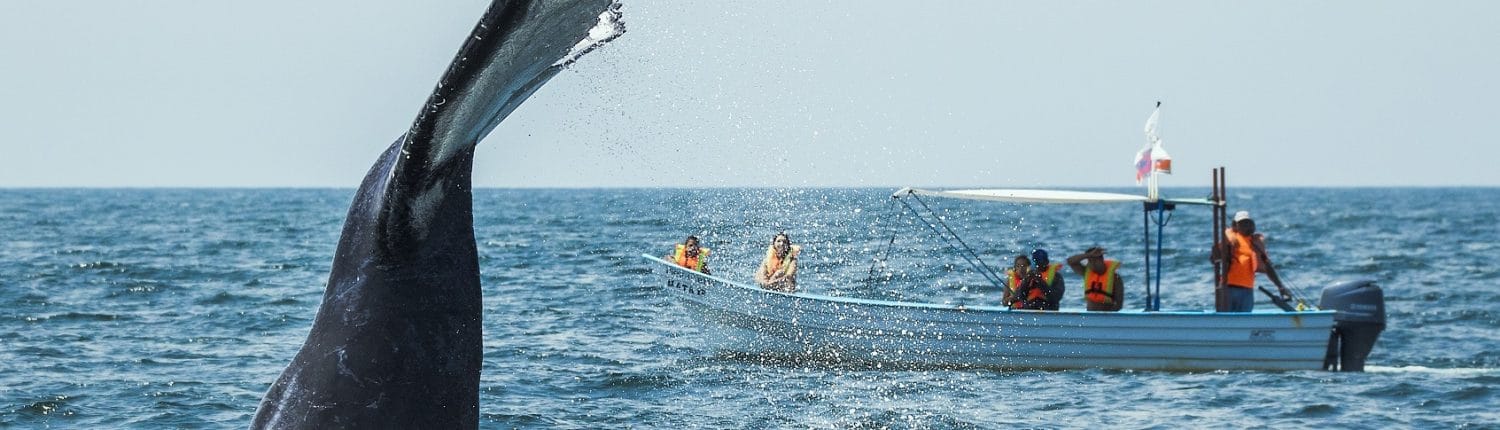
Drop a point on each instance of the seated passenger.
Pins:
(778, 272)
(690, 255)
(1034, 283)
(1014, 277)
(1103, 290)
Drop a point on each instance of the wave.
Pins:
(1456, 371)
(54, 406)
(74, 316)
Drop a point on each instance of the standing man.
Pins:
(1103, 290)
(1246, 254)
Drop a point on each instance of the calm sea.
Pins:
(169, 308)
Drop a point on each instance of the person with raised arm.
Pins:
(1103, 290)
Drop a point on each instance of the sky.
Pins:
(274, 93)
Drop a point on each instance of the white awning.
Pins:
(1042, 196)
(1029, 197)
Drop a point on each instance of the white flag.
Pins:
(1151, 136)
(1160, 160)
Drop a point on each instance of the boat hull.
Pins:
(739, 319)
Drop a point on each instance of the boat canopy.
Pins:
(1042, 196)
(1149, 205)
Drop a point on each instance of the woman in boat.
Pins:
(778, 272)
(1033, 283)
(1014, 277)
(1103, 290)
(688, 254)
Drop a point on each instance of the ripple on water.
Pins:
(517, 420)
(1471, 393)
(1401, 390)
(284, 301)
(1316, 410)
(629, 381)
(223, 298)
(37, 351)
(50, 407)
(74, 317)
(99, 265)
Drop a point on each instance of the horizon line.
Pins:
(712, 187)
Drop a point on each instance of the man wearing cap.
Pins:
(1103, 290)
(1246, 252)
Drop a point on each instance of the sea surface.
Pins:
(177, 308)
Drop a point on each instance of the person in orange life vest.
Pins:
(1103, 288)
(1048, 272)
(1013, 277)
(778, 271)
(688, 254)
(1034, 283)
(1244, 251)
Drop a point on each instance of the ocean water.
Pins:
(176, 308)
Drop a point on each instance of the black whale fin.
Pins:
(396, 341)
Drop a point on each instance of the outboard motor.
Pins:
(1356, 326)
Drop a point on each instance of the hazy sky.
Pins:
(279, 93)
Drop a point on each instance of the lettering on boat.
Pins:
(1262, 335)
(688, 287)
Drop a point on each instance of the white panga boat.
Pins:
(744, 319)
(738, 318)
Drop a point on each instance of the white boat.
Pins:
(737, 318)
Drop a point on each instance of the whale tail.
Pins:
(397, 339)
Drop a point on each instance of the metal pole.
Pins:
(1161, 224)
(1218, 237)
(1217, 234)
(1146, 240)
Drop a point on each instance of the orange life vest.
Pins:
(682, 259)
(1035, 293)
(1242, 260)
(1100, 287)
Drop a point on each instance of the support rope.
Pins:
(885, 254)
(966, 252)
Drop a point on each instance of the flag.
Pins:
(1142, 164)
(1160, 160)
(1151, 136)
(1153, 156)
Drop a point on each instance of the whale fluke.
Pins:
(396, 341)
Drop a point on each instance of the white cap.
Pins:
(1241, 216)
